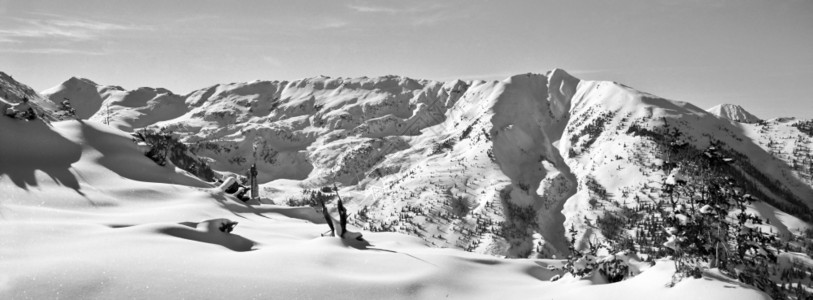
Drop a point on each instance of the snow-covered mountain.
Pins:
(499, 167)
(505, 168)
(733, 112)
(87, 99)
(120, 108)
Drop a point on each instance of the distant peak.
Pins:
(561, 88)
(733, 112)
(557, 72)
(727, 106)
(80, 80)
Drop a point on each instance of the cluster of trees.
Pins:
(700, 219)
(67, 109)
(361, 158)
(702, 234)
(312, 198)
(583, 263)
(591, 132)
(519, 220)
(755, 182)
(595, 190)
(468, 227)
(649, 233)
(611, 225)
(448, 144)
(703, 212)
(805, 126)
(459, 206)
(164, 147)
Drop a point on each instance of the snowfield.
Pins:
(427, 169)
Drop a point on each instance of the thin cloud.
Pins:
(196, 18)
(331, 24)
(506, 74)
(589, 71)
(8, 40)
(61, 28)
(273, 61)
(373, 9)
(431, 19)
(54, 51)
(484, 76)
(421, 14)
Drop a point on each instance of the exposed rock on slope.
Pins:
(13, 93)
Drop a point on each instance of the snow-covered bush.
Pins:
(20, 111)
(67, 110)
(613, 269)
(165, 146)
(584, 263)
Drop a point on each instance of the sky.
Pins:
(758, 54)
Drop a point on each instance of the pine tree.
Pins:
(702, 234)
(342, 213)
(325, 214)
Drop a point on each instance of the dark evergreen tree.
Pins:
(325, 214)
(67, 108)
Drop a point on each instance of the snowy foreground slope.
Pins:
(86, 216)
(499, 168)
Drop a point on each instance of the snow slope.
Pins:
(138, 108)
(98, 220)
(734, 113)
